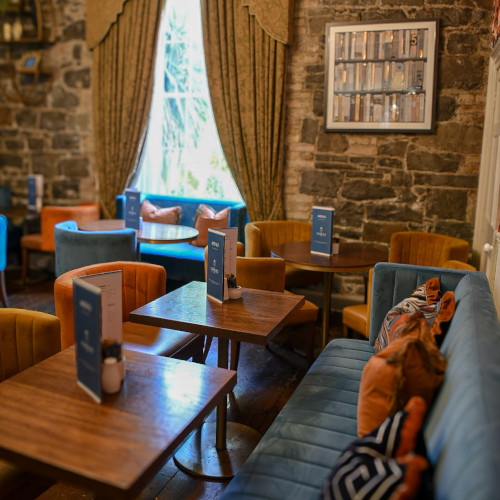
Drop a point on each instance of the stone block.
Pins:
(66, 141)
(320, 183)
(382, 231)
(53, 120)
(434, 162)
(74, 167)
(360, 189)
(446, 203)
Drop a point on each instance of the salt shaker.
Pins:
(111, 377)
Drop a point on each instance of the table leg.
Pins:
(327, 297)
(233, 442)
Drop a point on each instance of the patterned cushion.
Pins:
(426, 299)
(389, 462)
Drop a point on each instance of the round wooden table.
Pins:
(352, 257)
(151, 232)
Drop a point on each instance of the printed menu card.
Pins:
(322, 230)
(97, 305)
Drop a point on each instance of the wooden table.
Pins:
(256, 317)
(50, 426)
(352, 257)
(150, 232)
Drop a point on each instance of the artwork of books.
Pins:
(381, 76)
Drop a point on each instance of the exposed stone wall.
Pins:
(381, 183)
(54, 136)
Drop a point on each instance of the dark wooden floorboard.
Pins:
(267, 376)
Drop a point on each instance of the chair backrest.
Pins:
(262, 236)
(262, 273)
(3, 242)
(27, 337)
(75, 248)
(426, 249)
(456, 264)
(51, 215)
(5, 197)
(141, 283)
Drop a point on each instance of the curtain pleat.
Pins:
(123, 68)
(246, 72)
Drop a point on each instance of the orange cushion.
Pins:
(207, 218)
(153, 213)
(412, 365)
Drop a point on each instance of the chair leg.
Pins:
(3, 290)
(310, 343)
(206, 349)
(235, 354)
(25, 257)
(345, 331)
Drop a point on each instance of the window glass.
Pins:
(182, 153)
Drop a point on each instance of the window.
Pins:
(183, 155)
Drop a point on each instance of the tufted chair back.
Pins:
(142, 283)
(426, 249)
(26, 337)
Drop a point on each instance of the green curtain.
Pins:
(123, 69)
(246, 70)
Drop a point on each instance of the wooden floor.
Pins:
(267, 376)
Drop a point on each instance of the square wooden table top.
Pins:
(256, 317)
(50, 426)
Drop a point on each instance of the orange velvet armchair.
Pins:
(50, 216)
(142, 282)
(27, 337)
(262, 236)
(411, 247)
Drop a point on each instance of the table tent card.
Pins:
(322, 230)
(215, 264)
(97, 304)
(132, 208)
(35, 192)
(221, 259)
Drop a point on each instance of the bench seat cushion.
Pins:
(310, 433)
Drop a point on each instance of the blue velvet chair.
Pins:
(3, 259)
(75, 248)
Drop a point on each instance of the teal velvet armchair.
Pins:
(75, 248)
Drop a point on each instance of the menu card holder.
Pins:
(322, 230)
(132, 208)
(97, 301)
(221, 258)
(35, 192)
(215, 265)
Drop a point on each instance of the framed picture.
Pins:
(381, 77)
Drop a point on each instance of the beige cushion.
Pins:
(207, 218)
(153, 213)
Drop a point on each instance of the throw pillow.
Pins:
(412, 365)
(389, 463)
(153, 213)
(206, 218)
(426, 299)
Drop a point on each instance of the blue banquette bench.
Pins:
(461, 429)
(183, 261)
